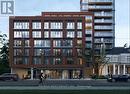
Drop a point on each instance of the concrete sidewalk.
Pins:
(63, 88)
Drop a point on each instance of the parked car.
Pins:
(9, 76)
(123, 78)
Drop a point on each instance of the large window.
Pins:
(70, 25)
(36, 34)
(67, 43)
(79, 25)
(36, 60)
(79, 43)
(42, 43)
(56, 34)
(56, 43)
(46, 34)
(57, 61)
(70, 61)
(79, 52)
(56, 25)
(70, 34)
(21, 60)
(36, 25)
(67, 52)
(79, 34)
(46, 25)
(57, 52)
(21, 43)
(21, 25)
(21, 34)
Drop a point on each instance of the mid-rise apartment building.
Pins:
(104, 21)
(53, 42)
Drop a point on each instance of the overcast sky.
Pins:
(35, 7)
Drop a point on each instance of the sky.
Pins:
(35, 7)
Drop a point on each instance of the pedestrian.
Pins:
(41, 79)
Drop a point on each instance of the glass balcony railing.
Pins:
(100, 7)
(88, 32)
(100, 0)
(103, 27)
(103, 14)
(103, 21)
(88, 38)
(98, 34)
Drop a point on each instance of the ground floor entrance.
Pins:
(33, 73)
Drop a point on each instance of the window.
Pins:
(36, 25)
(68, 43)
(79, 34)
(47, 52)
(20, 43)
(70, 25)
(37, 52)
(26, 43)
(36, 34)
(70, 34)
(70, 61)
(79, 43)
(46, 61)
(18, 52)
(79, 25)
(17, 43)
(42, 43)
(36, 60)
(56, 43)
(57, 61)
(46, 43)
(21, 25)
(57, 52)
(56, 25)
(56, 34)
(79, 52)
(21, 34)
(21, 60)
(46, 34)
(46, 25)
(67, 52)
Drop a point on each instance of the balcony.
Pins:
(103, 14)
(100, 7)
(105, 34)
(103, 21)
(100, 2)
(88, 32)
(88, 38)
(103, 27)
(104, 41)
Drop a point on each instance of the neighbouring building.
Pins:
(104, 22)
(53, 42)
(119, 61)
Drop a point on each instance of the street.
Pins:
(75, 82)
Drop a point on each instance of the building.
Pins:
(119, 61)
(52, 43)
(104, 22)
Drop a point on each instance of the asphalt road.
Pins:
(77, 82)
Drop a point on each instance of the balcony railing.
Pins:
(103, 21)
(103, 14)
(103, 34)
(100, 0)
(100, 7)
(103, 27)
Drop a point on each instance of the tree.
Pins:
(4, 54)
(101, 60)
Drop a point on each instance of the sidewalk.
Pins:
(64, 88)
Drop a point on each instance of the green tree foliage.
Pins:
(4, 54)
